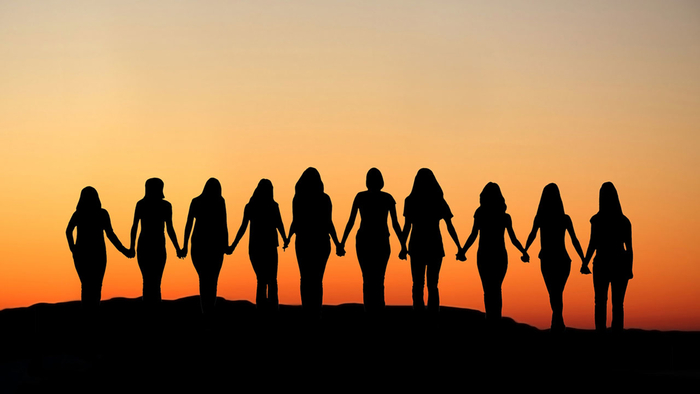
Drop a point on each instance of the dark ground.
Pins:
(56, 348)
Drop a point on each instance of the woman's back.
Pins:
(265, 219)
(153, 214)
(374, 207)
(311, 215)
(552, 234)
(609, 233)
(492, 226)
(90, 226)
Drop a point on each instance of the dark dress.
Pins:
(425, 248)
(372, 244)
(492, 258)
(311, 222)
(265, 219)
(150, 252)
(90, 254)
(612, 267)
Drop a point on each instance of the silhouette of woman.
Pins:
(263, 213)
(423, 210)
(89, 251)
(555, 263)
(490, 222)
(155, 214)
(312, 223)
(209, 240)
(611, 241)
(372, 241)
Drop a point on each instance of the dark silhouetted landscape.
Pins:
(55, 348)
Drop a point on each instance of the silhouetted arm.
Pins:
(592, 246)
(404, 237)
(72, 224)
(533, 234)
(280, 228)
(509, 226)
(351, 221)
(574, 239)
(188, 231)
(453, 233)
(395, 221)
(113, 237)
(470, 241)
(135, 227)
(241, 231)
(331, 230)
(170, 229)
(225, 236)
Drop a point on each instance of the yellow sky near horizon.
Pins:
(519, 93)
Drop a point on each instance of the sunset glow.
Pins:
(109, 94)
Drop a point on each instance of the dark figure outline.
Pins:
(611, 242)
(155, 215)
(553, 223)
(490, 223)
(89, 250)
(372, 239)
(424, 207)
(312, 222)
(263, 214)
(207, 214)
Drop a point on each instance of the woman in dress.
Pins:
(372, 241)
(555, 263)
(611, 242)
(209, 240)
(312, 223)
(88, 249)
(423, 210)
(263, 214)
(490, 223)
(155, 215)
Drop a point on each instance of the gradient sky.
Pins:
(521, 93)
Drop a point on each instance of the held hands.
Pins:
(403, 253)
(286, 244)
(229, 249)
(525, 258)
(340, 250)
(129, 253)
(182, 253)
(585, 270)
(461, 255)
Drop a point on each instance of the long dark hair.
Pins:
(263, 193)
(426, 188)
(491, 199)
(89, 200)
(551, 206)
(154, 188)
(609, 201)
(212, 190)
(309, 183)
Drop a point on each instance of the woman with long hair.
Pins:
(312, 223)
(490, 223)
(424, 208)
(553, 223)
(263, 214)
(88, 248)
(611, 242)
(155, 215)
(209, 240)
(372, 240)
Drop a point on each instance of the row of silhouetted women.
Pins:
(420, 238)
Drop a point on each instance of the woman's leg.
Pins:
(555, 275)
(152, 264)
(373, 258)
(312, 259)
(433, 276)
(601, 282)
(418, 267)
(208, 268)
(492, 272)
(618, 288)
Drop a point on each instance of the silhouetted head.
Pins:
(375, 181)
(309, 182)
(492, 199)
(426, 186)
(154, 188)
(551, 205)
(609, 200)
(89, 200)
(212, 189)
(263, 192)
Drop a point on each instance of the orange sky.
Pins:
(522, 94)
